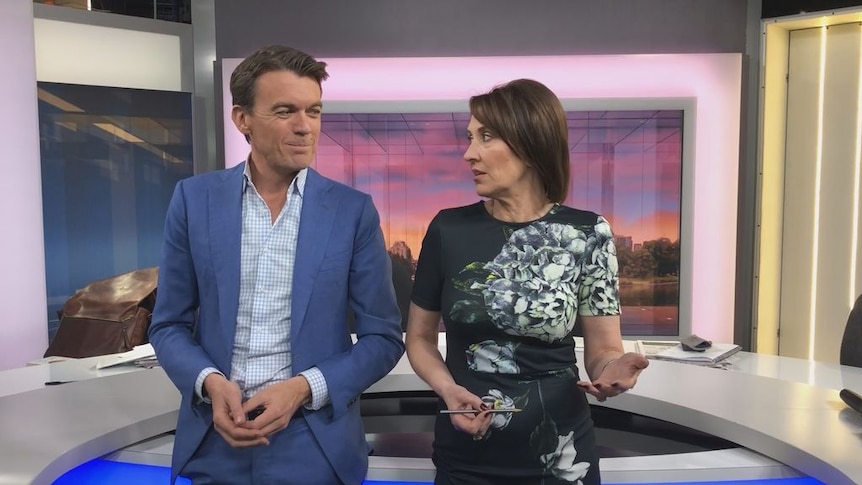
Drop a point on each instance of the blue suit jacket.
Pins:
(341, 259)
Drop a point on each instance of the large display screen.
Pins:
(625, 164)
(110, 160)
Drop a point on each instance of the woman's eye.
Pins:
(486, 136)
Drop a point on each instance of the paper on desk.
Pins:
(717, 352)
(649, 348)
(139, 352)
(49, 360)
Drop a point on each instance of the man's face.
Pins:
(284, 124)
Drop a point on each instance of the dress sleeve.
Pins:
(599, 293)
(428, 283)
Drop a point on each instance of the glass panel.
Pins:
(110, 160)
(169, 10)
(626, 165)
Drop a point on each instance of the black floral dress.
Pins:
(509, 294)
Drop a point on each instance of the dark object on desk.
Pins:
(56, 383)
(107, 316)
(147, 362)
(851, 343)
(693, 343)
(851, 399)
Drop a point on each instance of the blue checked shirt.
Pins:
(261, 351)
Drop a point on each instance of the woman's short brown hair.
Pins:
(530, 119)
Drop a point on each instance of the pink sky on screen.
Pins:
(414, 172)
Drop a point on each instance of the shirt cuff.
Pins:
(199, 383)
(319, 391)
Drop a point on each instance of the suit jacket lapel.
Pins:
(225, 235)
(316, 221)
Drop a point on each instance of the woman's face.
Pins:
(497, 171)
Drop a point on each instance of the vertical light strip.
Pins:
(854, 222)
(819, 162)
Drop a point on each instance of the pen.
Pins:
(56, 383)
(477, 411)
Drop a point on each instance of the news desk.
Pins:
(784, 413)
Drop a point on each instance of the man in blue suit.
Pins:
(259, 266)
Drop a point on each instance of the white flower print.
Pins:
(530, 290)
(562, 461)
(497, 400)
(489, 356)
(598, 290)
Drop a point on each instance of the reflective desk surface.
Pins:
(783, 408)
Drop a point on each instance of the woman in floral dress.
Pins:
(509, 276)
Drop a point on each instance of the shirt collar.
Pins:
(297, 186)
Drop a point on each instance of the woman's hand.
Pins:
(476, 425)
(617, 377)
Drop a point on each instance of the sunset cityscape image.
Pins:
(625, 165)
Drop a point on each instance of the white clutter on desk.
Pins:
(714, 354)
(49, 360)
(649, 348)
(141, 352)
(145, 351)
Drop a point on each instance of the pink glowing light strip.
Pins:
(24, 331)
(712, 80)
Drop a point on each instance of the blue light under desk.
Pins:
(105, 472)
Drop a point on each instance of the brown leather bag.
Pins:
(107, 316)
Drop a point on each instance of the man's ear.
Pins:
(240, 120)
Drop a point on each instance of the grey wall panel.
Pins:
(386, 28)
